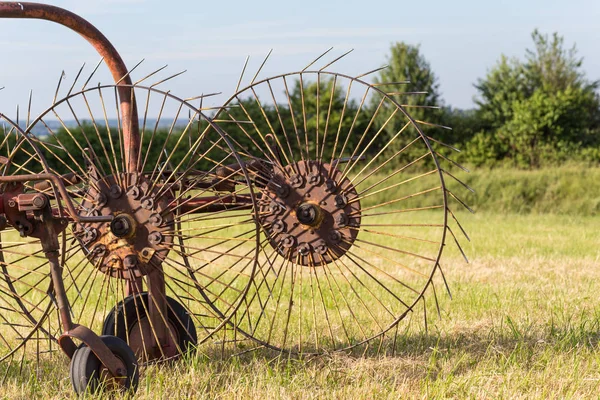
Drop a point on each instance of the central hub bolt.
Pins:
(309, 214)
(122, 226)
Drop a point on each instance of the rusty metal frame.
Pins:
(114, 62)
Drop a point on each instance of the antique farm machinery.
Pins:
(308, 214)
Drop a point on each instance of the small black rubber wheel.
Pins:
(123, 318)
(86, 368)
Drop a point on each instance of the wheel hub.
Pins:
(310, 213)
(137, 238)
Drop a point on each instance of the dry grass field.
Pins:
(524, 322)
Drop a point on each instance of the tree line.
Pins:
(531, 112)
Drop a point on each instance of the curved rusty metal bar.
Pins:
(129, 116)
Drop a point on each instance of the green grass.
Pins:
(570, 190)
(524, 322)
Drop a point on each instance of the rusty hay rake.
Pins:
(308, 214)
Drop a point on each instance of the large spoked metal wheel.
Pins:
(352, 210)
(182, 223)
(25, 284)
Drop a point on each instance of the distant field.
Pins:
(524, 323)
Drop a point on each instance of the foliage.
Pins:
(543, 109)
(299, 120)
(411, 82)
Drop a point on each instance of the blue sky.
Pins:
(462, 39)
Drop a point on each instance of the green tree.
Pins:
(299, 123)
(407, 64)
(540, 109)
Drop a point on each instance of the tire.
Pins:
(85, 370)
(123, 318)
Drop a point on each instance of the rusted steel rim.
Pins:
(439, 173)
(106, 50)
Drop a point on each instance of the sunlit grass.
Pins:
(524, 323)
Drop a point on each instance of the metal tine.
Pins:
(406, 93)
(391, 83)
(168, 78)
(425, 313)
(452, 161)
(432, 124)
(233, 121)
(242, 74)
(337, 59)
(150, 75)
(130, 71)
(60, 79)
(439, 267)
(219, 108)
(459, 225)
(92, 74)
(261, 67)
(29, 108)
(75, 80)
(460, 201)
(458, 244)
(420, 106)
(444, 144)
(469, 188)
(371, 72)
(317, 59)
(202, 97)
(437, 304)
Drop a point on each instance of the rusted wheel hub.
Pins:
(310, 213)
(137, 238)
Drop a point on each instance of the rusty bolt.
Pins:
(130, 261)
(90, 235)
(304, 249)
(113, 259)
(296, 181)
(283, 191)
(39, 201)
(155, 238)
(276, 208)
(99, 250)
(146, 252)
(330, 185)
(100, 199)
(288, 241)
(12, 203)
(116, 191)
(341, 201)
(278, 226)
(135, 192)
(314, 179)
(156, 219)
(341, 220)
(335, 237)
(321, 247)
(147, 203)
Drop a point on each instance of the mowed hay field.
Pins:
(524, 322)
